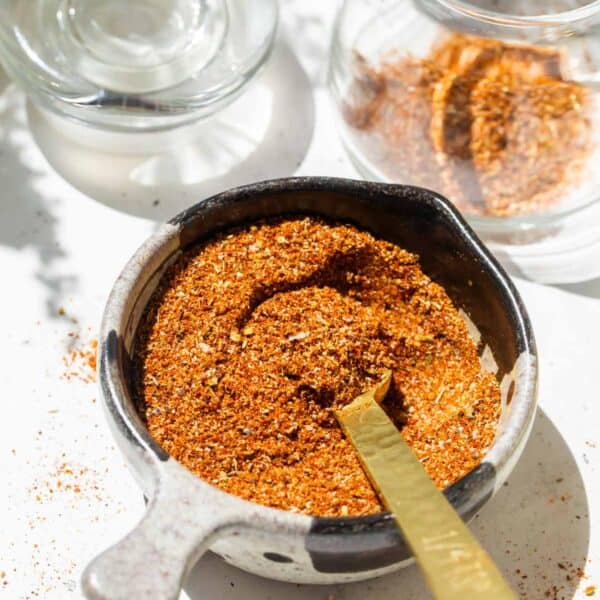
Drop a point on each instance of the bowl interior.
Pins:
(419, 221)
(416, 219)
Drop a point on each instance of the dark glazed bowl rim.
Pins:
(479, 482)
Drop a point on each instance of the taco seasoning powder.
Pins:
(496, 127)
(254, 335)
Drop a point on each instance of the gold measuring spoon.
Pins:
(455, 565)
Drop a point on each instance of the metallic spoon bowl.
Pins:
(186, 516)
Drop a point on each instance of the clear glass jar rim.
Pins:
(574, 15)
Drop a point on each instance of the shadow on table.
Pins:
(264, 134)
(28, 221)
(537, 529)
(590, 289)
(4, 80)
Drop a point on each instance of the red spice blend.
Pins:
(254, 335)
(496, 127)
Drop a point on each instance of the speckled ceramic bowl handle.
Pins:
(152, 561)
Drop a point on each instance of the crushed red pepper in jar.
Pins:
(254, 335)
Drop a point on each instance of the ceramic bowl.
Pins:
(186, 516)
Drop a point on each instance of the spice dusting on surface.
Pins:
(80, 362)
(253, 337)
(66, 478)
(496, 127)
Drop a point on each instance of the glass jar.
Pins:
(135, 65)
(496, 109)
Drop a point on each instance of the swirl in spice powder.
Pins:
(254, 335)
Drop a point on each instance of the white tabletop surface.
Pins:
(70, 217)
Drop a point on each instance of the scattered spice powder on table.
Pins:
(80, 361)
(254, 335)
(496, 127)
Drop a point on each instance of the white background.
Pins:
(69, 219)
